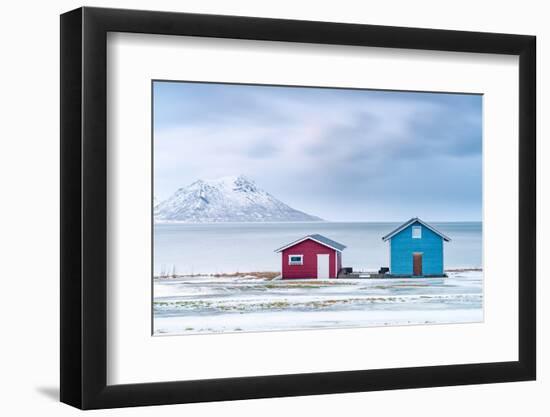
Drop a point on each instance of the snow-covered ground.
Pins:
(207, 304)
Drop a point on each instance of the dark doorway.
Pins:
(417, 264)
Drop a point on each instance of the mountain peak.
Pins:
(229, 179)
(226, 199)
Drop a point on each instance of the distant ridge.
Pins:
(226, 199)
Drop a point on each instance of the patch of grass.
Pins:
(269, 275)
(313, 284)
(254, 274)
(274, 304)
(463, 269)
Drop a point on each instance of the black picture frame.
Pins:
(84, 207)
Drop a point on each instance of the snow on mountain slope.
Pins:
(227, 199)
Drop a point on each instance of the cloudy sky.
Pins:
(343, 155)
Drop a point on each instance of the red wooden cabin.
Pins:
(313, 256)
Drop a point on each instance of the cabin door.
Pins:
(323, 266)
(417, 264)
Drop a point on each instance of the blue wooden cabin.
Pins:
(416, 249)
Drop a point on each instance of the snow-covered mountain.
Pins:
(227, 199)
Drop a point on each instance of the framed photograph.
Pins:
(257, 208)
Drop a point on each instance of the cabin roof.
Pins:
(412, 221)
(325, 241)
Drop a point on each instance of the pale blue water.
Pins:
(245, 247)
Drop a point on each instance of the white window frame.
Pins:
(301, 262)
(417, 229)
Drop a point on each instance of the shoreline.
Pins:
(172, 222)
(271, 275)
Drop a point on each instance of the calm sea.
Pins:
(245, 247)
